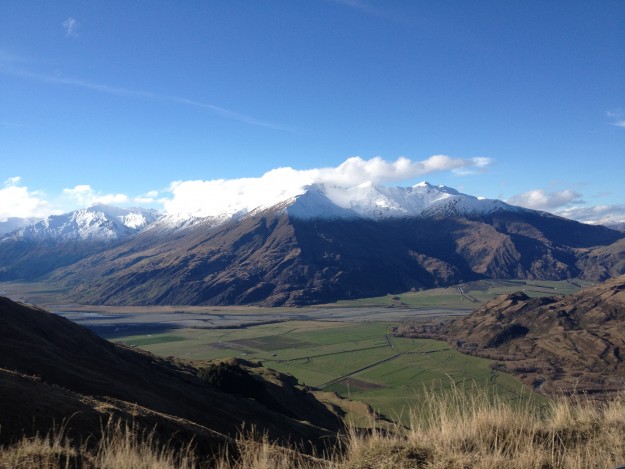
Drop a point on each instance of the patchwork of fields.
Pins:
(361, 361)
(344, 347)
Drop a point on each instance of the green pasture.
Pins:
(474, 293)
(360, 361)
(155, 339)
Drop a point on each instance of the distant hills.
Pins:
(561, 344)
(321, 244)
(54, 372)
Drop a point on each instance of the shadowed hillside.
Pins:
(272, 259)
(53, 370)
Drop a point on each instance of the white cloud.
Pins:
(539, 199)
(598, 213)
(86, 196)
(147, 198)
(71, 27)
(18, 201)
(355, 170)
(619, 123)
(479, 165)
(213, 197)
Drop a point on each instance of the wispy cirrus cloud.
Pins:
(7, 69)
(70, 25)
(364, 7)
(356, 4)
(617, 117)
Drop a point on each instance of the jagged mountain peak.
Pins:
(99, 222)
(376, 201)
(325, 200)
(426, 186)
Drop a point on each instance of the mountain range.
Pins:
(318, 244)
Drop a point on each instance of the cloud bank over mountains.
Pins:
(203, 198)
(210, 198)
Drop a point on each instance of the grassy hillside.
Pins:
(456, 432)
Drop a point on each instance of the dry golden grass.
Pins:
(456, 430)
(120, 446)
(448, 430)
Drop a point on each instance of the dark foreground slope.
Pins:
(272, 259)
(53, 370)
(573, 343)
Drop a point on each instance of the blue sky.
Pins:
(114, 101)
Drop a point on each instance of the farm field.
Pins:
(467, 296)
(343, 347)
(461, 298)
(360, 361)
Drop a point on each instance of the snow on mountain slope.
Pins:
(368, 200)
(616, 222)
(100, 222)
(375, 202)
(13, 223)
(316, 201)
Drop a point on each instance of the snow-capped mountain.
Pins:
(13, 223)
(318, 243)
(328, 201)
(316, 201)
(97, 223)
(376, 202)
(366, 201)
(616, 222)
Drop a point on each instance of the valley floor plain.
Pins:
(346, 347)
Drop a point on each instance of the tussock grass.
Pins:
(449, 429)
(120, 446)
(51, 451)
(454, 429)
(254, 450)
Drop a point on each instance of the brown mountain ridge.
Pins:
(560, 344)
(273, 259)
